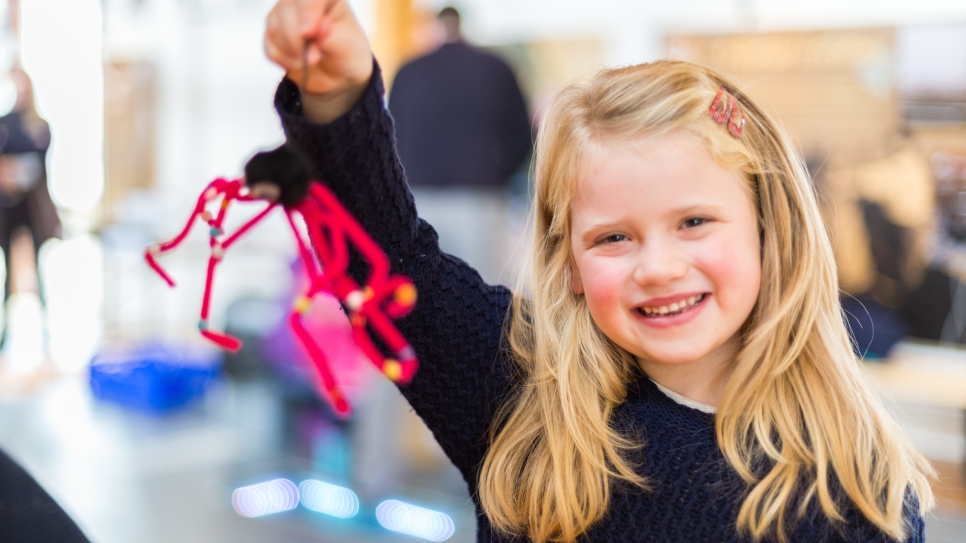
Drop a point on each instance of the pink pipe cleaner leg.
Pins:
(329, 385)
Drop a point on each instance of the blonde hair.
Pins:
(796, 402)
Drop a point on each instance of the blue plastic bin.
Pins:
(154, 378)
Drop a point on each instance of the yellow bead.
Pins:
(302, 304)
(392, 369)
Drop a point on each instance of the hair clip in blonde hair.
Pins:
(724, 109)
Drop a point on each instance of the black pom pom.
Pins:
(284, 167)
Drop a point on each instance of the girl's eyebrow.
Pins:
(607, 224)
(596, 227)
(698, 208)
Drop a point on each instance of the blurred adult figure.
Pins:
(462, 130)
(25, 203)
(27, 512)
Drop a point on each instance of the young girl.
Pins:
(675, 366)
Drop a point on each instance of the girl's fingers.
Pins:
(278, 46)
(290, 23)
(320, 45)
(313, 55)
(311, 14)
(324, 29)
(286, 62)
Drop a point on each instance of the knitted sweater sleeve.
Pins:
(457, 323)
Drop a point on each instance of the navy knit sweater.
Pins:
(465, 372)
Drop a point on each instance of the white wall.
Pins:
(216, 85)
(633, 30)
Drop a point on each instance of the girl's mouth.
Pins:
(671, 310)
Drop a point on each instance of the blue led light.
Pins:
(329, 499)
(414, 520)
(265, 498)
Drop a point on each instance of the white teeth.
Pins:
(673, 308)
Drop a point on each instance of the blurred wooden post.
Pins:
(129, 129)
(13, 19)
(392, 42)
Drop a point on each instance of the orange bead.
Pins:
(406, 294)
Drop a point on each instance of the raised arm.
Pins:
(457, 323)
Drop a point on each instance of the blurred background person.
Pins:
(25, 204)
(462, 129)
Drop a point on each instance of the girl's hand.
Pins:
(322, 48)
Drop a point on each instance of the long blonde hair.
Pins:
(796, 402)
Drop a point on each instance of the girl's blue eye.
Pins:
(694, 221)
(613, 238)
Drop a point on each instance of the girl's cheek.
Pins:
(602, 282)
(731, 262)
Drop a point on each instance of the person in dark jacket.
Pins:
(462, 130)
(461, 120)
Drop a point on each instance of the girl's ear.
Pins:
(576, 285)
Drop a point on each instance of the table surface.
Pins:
(922, 373)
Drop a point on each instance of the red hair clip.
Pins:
(724, 109)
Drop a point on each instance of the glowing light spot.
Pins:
(329, 499)
(355, 299)
(265, 498)
(72, 272)
(24, 349)
(414, 520)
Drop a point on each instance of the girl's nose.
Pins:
(659, 262)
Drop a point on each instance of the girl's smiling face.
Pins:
(666, 247)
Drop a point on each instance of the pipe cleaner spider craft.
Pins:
(331, 230)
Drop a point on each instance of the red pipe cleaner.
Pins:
(331, 230)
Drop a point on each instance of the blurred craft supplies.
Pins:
(154, 377)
